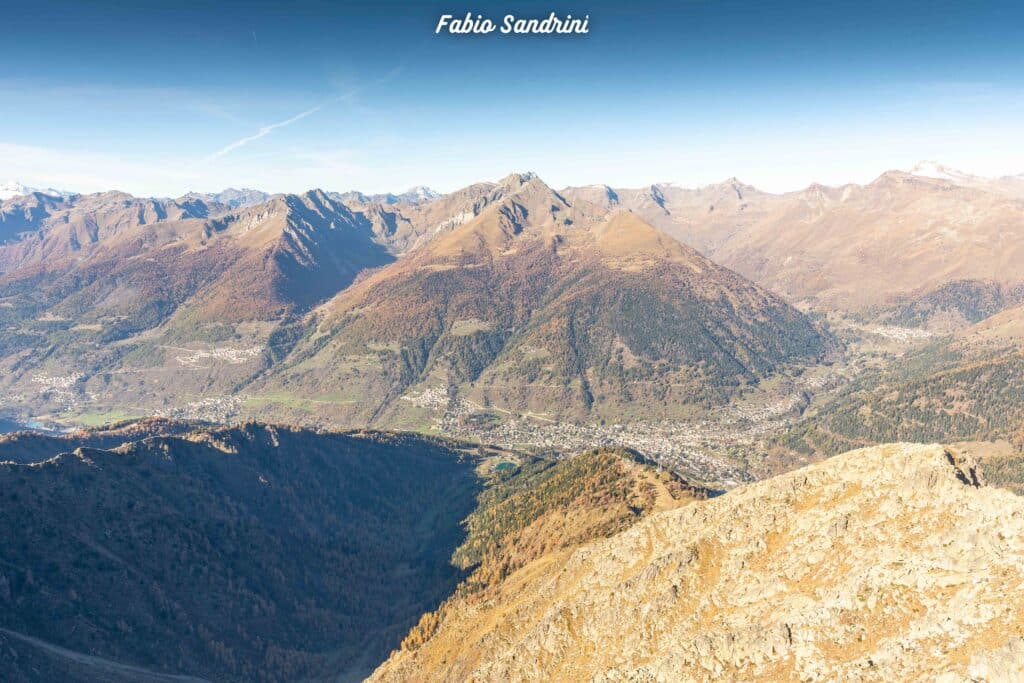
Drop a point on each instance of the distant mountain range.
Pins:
(506, 298)
(908, 233)
(415, 195)
(12, 189)
(539, 305)
(232, 198)
(904, 234)
(241, 198)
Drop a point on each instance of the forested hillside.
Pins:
(251, 554)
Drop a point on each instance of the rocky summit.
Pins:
(889, 563)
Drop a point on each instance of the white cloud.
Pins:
(87, 171)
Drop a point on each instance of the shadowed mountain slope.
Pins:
(246, 554)
(26, 447)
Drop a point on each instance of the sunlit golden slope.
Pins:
(889, 563)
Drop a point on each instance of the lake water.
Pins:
(7, 426)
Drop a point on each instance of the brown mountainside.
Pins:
(137, 295)
(855, 248)
(889, 563)
(542, 305)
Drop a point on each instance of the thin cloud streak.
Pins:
(262, 132)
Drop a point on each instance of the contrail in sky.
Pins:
(265, 130)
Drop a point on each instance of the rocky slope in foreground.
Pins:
(888, 563)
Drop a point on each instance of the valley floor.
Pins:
(722, 447)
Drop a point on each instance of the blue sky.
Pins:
(161, 98)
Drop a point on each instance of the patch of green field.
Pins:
(100, 418)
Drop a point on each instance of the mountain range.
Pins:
(13, 188)
(907, 235)
(538, 305)
(469, 291)
(510, 310)
(515, 433)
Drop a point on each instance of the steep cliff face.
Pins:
(888, 563)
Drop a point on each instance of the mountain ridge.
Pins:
(884, 563)
(477, 303)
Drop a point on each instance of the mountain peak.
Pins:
(414, 195)
(625, 237)
(515, 180)
(316, 194)
(231, 197)
(13, 188)
(421, 193)
(934, 169)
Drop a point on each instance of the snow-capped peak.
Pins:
(933, 169)
(13, 188)
(422, 192)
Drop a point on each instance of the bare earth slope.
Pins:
(853, 248)
(888, 563)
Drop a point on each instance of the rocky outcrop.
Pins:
(888, 563)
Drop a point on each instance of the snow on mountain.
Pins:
(933, 169)
(235, 198)
(421, 193)
(414, 195)
(13, 188)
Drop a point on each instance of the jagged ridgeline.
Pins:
(112, 294)
(326, 308)
(267, 553)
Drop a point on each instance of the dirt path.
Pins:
(101, 665)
